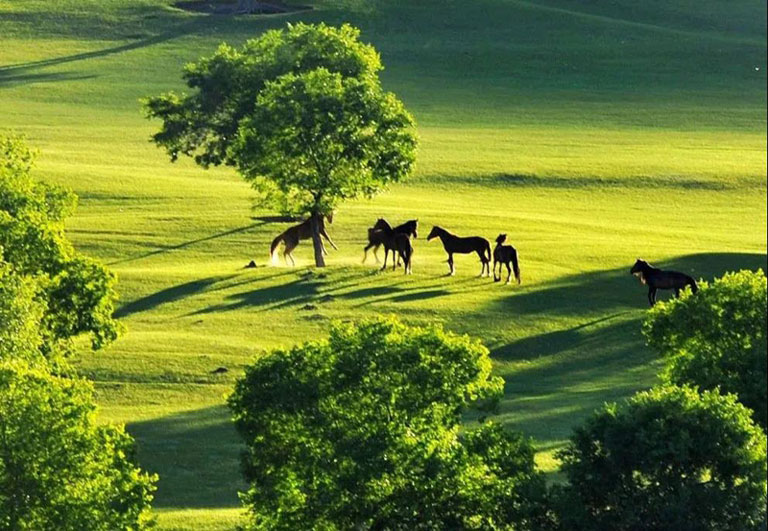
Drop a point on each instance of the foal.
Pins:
(457, 245)
(658, 279)
(295, 234)
(505, 254)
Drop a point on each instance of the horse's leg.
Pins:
(325, 235)
(376, 254)
(651, 295)
(289, 247)
(386, 254)
(450, 264)
(509, 272)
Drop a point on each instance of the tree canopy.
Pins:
(362, 430)
(60, 469)
(717, 338)
(299, 112)
(77, 293)
(670, 458)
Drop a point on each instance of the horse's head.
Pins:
(411, 227)
(501, 238)
(639, 267)
(329, 217)
(434, 233)
(382, 224)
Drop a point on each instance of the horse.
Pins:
(505, 254)
(302, 231)
(375, 236)
(397, 242)
(455, 244)
(658, 279)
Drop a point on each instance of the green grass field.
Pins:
(590, 132)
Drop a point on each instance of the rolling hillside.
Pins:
(590, 132)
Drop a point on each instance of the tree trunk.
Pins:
(316, 243)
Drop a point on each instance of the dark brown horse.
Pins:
(507, 255)
(658, 279)
(376, 236)
(397, 242)
(302, 231)
(457, 245)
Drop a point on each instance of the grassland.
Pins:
(590, 132)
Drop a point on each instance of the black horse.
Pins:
(376, 235)
(507, 255)
(457, 245)
(658, 279)
(397, 242)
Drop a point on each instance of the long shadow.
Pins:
(184, 245)
(196, 455)
(293, 293)
(22, 78)
(613, 290)
(167, 295)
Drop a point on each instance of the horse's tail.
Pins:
(690, 282)
(273, 247)
(487, 245)
(516, 266)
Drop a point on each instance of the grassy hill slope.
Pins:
(590, 132)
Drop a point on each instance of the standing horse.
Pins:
(505, 254)
(397, 242)
(302, 231)
(376, 236)
(457, 245)
(658, 279)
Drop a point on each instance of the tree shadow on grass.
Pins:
(197, 456)
(168, 295)
(556, 379)
(598, 292)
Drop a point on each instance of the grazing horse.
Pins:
(658, 279)
(397, 242)
(302, 231)
(457, 245)
(376, 236)
(507, 255)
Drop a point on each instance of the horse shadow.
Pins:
(199, 447)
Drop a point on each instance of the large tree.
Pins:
(717, 338)
(361, 431)
(299, 112)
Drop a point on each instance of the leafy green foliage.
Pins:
(298, 111)
(362, 430)
(21, 314)
(670, 458)
(77, 293)
(717, 338)
(59, 469)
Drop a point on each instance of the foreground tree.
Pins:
(77, 293)
(668, 459)
(60, 469)
(361, 431)
(717, 338)
(299, 112)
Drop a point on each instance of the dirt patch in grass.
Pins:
(239, 7)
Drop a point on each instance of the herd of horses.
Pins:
(398, 241)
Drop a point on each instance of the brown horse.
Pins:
(658, 279)
(302, 231)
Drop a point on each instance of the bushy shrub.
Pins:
(59, 469)
(717, 338)
(670, 458)
(362, 431)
